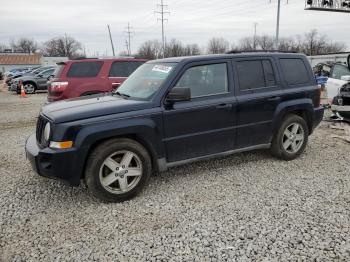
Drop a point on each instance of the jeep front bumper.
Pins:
(61, 164)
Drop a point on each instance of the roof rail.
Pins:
(103, 57)
(83, 57)
(260, 51)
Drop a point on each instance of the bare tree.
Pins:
(24, 45)
(3, 47)
(265, 42)
(151, 49)
(192, 49)
(218, 45)
(62, 46)
(174, 48)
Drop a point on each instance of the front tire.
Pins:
(291, 138)
(117, 170)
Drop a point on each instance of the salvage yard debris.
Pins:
(342, 126)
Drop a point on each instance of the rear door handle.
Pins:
(116, 84)
(274, 98)
(224, 106)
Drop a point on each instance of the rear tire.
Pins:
(117, 170)
(291, 138)
(29, 88)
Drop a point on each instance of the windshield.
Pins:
(146, 80)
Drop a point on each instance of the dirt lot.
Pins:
(246, 207)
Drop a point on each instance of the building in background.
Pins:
(10, 61)
(338, 57)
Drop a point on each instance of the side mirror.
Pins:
(40, 75)
(178, 94)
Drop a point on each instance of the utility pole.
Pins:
(128, 32)
(162, 19)
(254, 39)
(66, 41)
(127, 45)
(110, 37)
(278, 24)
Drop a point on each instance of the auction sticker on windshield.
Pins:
(162, 68)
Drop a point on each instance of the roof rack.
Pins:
(83, 57)
(260, 51)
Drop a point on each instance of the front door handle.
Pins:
(274, 98)
(224, 106)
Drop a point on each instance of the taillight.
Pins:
(58, 87)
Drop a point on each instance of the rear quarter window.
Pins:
(294, 71)
(85, 69)
(123, 69)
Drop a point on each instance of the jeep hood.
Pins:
(91, 106)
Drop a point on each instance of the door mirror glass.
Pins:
(178, 94)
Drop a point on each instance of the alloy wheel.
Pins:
(29, 89)
(293, 138)
(121, 172)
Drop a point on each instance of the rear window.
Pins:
(123, 69)
(294, 71)
(85, 69)
(58, 70)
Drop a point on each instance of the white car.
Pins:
(339, 76)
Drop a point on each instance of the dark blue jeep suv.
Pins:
(175, 111)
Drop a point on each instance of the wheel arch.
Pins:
(143, 134)
(31, 82)
(301, 107)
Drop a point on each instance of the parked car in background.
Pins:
(15, 71)
(83, 77)
(32, 83)
(33, 72)
(341, 103)
(175, 111)
(338, 76)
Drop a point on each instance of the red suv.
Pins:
(89, 76)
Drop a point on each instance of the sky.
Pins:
(190, 21)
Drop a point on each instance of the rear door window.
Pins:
(123, 69)
(294, 71)
(85, 69)
(254, 74)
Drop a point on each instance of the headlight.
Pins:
(47, 132)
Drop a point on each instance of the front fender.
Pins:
(145, 130)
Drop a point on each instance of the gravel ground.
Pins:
(244, 207)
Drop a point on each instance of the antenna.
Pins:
(110, 37)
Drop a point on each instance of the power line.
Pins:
(162, 19)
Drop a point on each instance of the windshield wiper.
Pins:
(121, 94)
